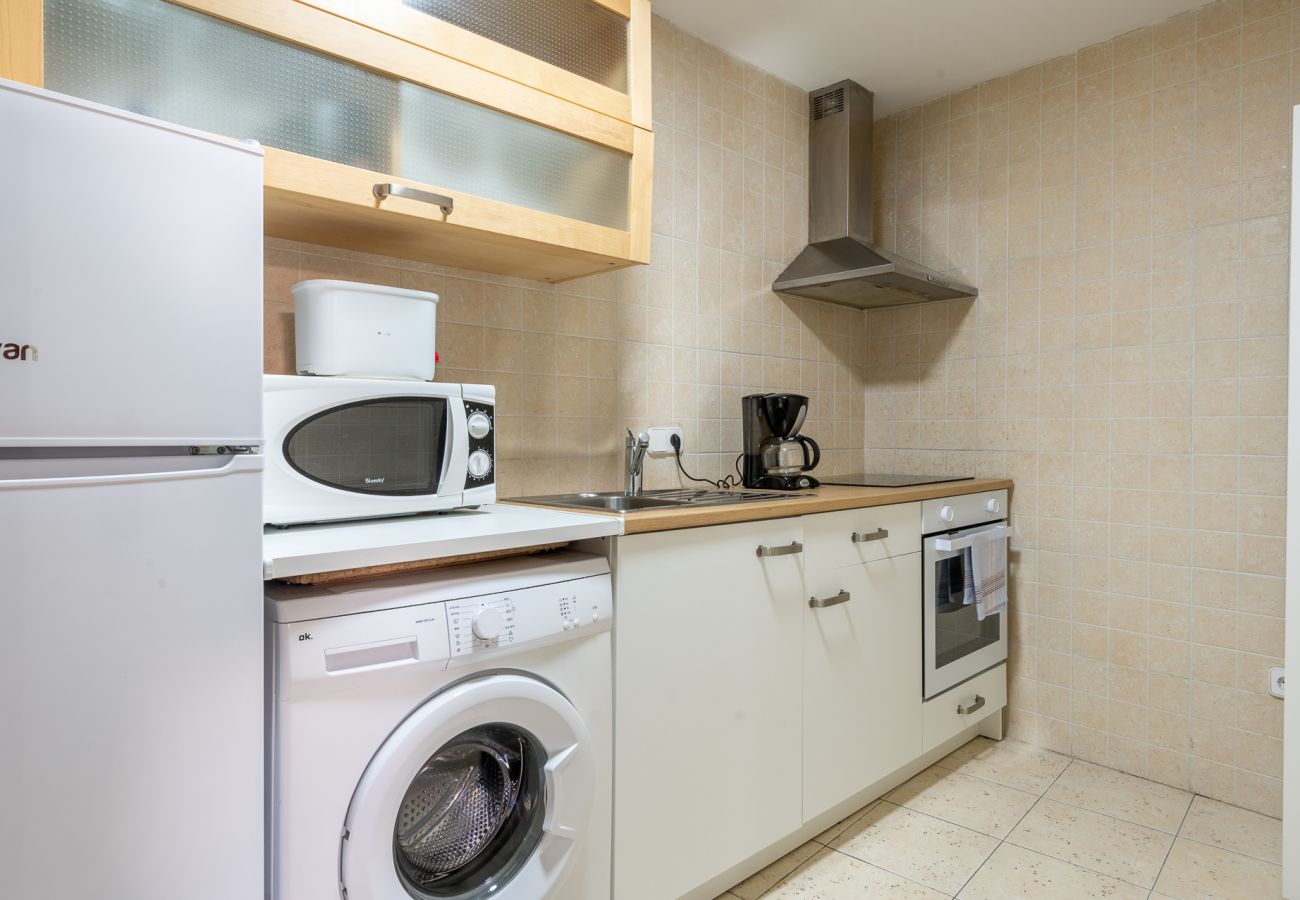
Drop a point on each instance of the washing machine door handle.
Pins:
(567, 810)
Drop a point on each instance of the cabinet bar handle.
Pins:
(968, 708)
(823, 602)
(861, 537)
(788, 550)
(384, 190)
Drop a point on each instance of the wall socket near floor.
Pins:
(1277, 682)
(661, 440)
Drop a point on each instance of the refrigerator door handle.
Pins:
(128, 470)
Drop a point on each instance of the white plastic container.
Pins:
(364, 330)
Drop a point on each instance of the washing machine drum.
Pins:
(483, 791)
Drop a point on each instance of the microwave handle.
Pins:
(455, 467)
(970, 539)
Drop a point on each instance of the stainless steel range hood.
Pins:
(840, 264)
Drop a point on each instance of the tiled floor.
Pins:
(998, 821)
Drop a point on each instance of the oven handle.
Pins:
(947, 545)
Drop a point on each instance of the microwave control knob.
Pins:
(993, 506)
(479, 425)
(488, 623)
(946, 513)
(479, 463)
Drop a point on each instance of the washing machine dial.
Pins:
(478, 425)
(488, 623)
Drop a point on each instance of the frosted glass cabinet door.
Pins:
(579, 36)
(545, 151)
(163, 60)
(449, 142)
(594, 53)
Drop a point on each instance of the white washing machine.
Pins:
(443, 736)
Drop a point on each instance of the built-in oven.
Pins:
(958, 644)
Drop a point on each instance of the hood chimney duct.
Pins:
(840, 265)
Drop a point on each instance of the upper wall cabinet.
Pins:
(502, 135)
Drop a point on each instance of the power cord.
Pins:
(729, 481)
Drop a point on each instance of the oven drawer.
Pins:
(951, 712)
(852, 536)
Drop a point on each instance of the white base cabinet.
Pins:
(757, 691)
(861, 678)
(709, 659)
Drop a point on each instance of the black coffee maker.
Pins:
(777, 457)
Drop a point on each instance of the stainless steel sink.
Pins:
(614, 502)
(661, 499)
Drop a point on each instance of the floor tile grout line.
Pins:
(1112, 815)
(1039, 796)
(887, 871)
(980, 778)
(1226, 849)
(1002, 841)
(1187, 812)
(1087, 868)
(810, 859)
(938, 818)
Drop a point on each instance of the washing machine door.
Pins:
(482, 791)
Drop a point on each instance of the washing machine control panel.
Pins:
(550, 612)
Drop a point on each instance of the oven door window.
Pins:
(392, 446)
(957, 630)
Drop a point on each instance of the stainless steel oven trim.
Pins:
(934, 681)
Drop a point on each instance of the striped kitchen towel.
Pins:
(988, 574)
(968, 577)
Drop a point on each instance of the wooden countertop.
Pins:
(828, 498)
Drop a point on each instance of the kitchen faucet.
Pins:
(636, 447)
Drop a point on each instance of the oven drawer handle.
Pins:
(862, 537)
(788, 550)
(823, 602)
(965, 709)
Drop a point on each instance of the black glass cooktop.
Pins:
(860, 479)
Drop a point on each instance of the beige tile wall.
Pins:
(1124, 211)
(677, 343)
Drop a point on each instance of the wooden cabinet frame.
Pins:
(457, 43)
(324, 202)
(22, 41)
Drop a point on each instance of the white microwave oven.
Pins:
(356, 448)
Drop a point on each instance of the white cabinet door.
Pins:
(862, 677)
(851, 536)
(707, 673)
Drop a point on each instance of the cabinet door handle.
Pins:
(384, 190)
(789, 549)
(965, 709)
(823, 602)
(862, 537)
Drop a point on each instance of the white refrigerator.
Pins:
(131, 757)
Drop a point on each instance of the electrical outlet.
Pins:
(1277, 682)
(660, 440)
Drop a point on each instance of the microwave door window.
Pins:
(392, 446)
(957, 629)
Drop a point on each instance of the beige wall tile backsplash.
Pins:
(675, 343)
(1125, 213)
